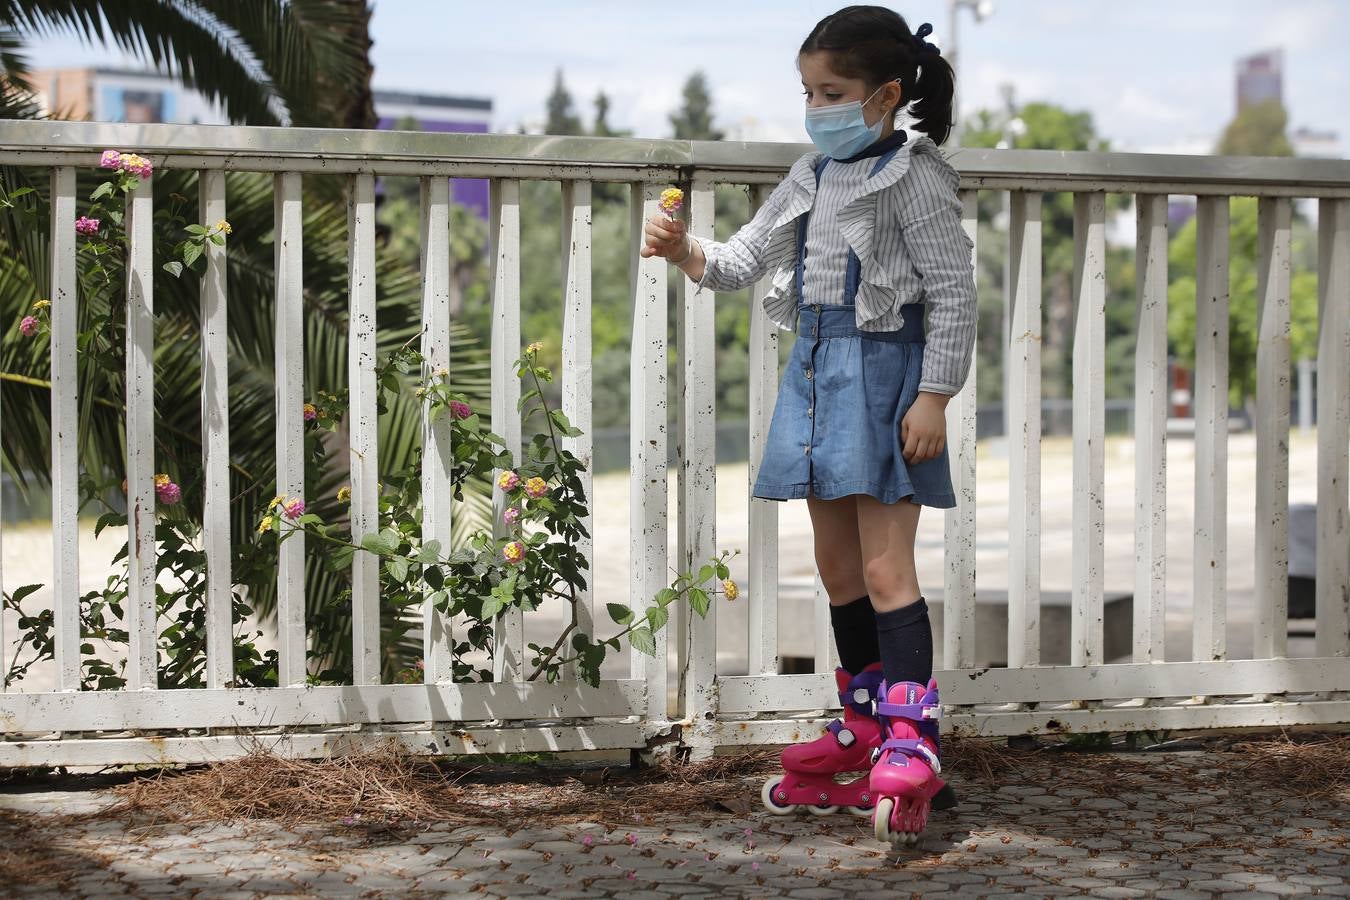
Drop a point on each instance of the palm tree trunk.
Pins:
(355, 100)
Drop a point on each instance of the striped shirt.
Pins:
(826, 254)
(904, 224)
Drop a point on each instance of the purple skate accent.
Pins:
(915, 711)
(869, 680)
(843, 735)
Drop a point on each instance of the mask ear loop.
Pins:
(884, 110)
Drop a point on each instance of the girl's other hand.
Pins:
(923, 430)
(666, 238)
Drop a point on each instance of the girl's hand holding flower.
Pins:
(668, 237)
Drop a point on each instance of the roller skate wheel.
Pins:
(861, 811)
(771, 803)
(881, 820)
(822, 810)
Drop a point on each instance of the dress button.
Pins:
(807, 451)
(811, 411)
(808, 374)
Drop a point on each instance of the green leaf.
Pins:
(657, 617)
(642, 640)
(434, 576)
(708, 571)
(17, 595)
(191, 253)
(501, 597)
(382, 544)
(699, 601)
(430, 552)
(174, 268)
(397, 569)
(666, 596)
(101, 191)
(621, 614)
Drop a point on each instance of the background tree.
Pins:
(693, 121)
(1257, 130)
(602, 128)
(1048, 127)
(562, 118)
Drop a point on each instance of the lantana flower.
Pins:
(731, 589)
(344, 494)
(459, 409)
(29, 326)
(135, 164)
(110, 159)
(536, 487)
(672, 200)
(224, 227)
(534, 348)
(310, 412)
(508, 480)
(295, 508)
(86, 225)
(513, 552)
(266, 524)
(512, 515)
(41, 305)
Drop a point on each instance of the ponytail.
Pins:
(934, 91)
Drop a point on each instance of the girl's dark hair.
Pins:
(875, 44)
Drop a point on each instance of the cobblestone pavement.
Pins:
(1167, 825)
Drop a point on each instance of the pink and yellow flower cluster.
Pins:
(165, 489)
(126, 162)
(672, 201)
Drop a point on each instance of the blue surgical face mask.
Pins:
(840, 131)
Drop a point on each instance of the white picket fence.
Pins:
(142, 724)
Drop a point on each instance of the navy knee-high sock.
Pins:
(905, 640)
(855, 634)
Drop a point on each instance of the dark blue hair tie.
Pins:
(924, 31)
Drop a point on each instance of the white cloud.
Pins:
(1134, 104)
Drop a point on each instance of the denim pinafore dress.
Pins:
(836, 425)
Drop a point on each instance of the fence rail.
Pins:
(142, 724)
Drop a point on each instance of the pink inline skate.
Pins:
(905, 778)
(809, 769)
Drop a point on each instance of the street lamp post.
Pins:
(981, 9)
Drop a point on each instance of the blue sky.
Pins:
(1155, 74)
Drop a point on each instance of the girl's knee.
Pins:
(887, 579)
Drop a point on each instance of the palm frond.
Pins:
(179, 39)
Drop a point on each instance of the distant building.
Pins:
(1260, 77)
(124, 95)
(1319, 144)
(441, 113)
(121, 95)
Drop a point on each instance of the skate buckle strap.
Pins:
(862, 689)
(843, 735)
(913, 711)
(911, 748)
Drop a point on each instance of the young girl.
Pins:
(872, 269)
